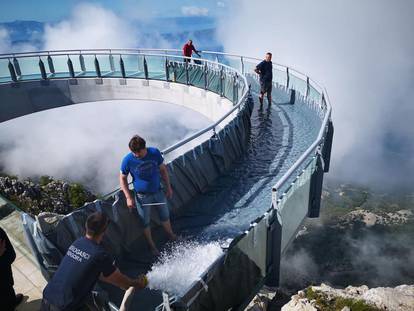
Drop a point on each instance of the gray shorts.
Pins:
(266, 87)
(146, 201)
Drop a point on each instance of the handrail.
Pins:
(321, 90)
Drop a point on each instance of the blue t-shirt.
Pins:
(77, 274)
(145, 171)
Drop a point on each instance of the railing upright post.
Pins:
(287, 78)
(205, 76)
(82, 63)
(242, 65)
(167, 70)
(97, 68)
(221, 82)
(234, 89)
(121, 64)
(307, 87)
(111, 63)
(145, 68)
(17, 67)
(187, 77)
(12, 72)
(70, 67)
(50, 64)
(42, 69)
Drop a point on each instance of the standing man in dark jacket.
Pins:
(85, 262)
(265, 71)
(188, 49)
(9, 299)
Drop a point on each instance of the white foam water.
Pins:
(180, 266)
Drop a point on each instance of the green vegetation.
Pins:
(77, 195)
(44, 180)
(337, 303)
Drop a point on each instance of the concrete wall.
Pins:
(27, 97)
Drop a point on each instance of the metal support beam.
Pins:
(187, 78)
(287, 78)
(167, 70)
(82, 62)
(17, 67)
(315, 192)
(122, 66)
(145, 69)
(70, 67)
(307, 87)
(205, 72)
(111, 62)
(327, 146)
(12, 72)
(42, 69)
(50, 64)
(97, 68)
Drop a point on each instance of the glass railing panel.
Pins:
(279, 76)
(297, 84)
(234, 62)
(89, 68)
(314, 94)
(47, 67)
(249, 67)
(196, 75)
(60, 64)
(29, 68)
(156, 67)
(76, 62)
(4, 71)
(213, 80)
(134, 65)
(106, 64)
(294, 204)
(228, 86)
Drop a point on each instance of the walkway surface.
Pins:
(280, 134)
(27, 277)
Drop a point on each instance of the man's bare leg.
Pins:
(150, 241)
(167, 227)
(261, 98)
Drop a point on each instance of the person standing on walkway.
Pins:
(85, 262)
(9, 300)
(188, 49)
(265, 71)
(146, 165)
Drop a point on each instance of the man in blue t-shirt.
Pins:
(146, 166)
(85, 262)
(265, 71)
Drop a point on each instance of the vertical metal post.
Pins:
(145, 69)
(221, 82)
(307, 87)
(50, 64)
(12, 72)
(287, 78)
(70, 67)
(42, 69)
(97, 68)
(315, 191)
(167, 70)
(187, 77)
(111, 63)
(121, 64)
(17, 67)
(82, 63)
(274, 244)
(234, 89)
(327, 147)
(205, 76)
(242, 65)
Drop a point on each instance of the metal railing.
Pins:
(215, 60)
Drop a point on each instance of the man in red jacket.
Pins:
(188, 49)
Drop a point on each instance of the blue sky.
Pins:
(55, 10)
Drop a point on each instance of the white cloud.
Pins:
(73, 143)
(6, 45)
(194, 11)
(221, 4)
(362, 52)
